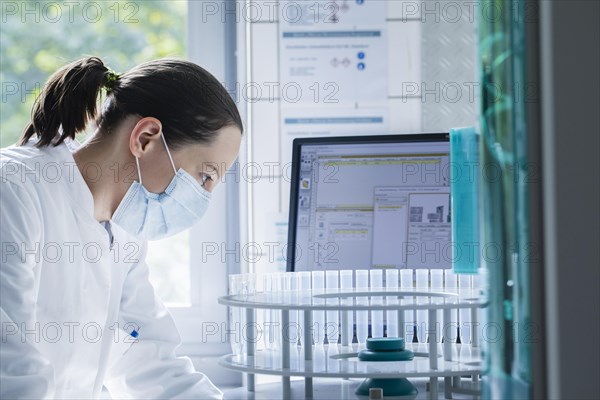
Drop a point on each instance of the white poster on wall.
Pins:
(330, 121)
(333, 67)
(334, 121)
(333, 52)
(325, 13)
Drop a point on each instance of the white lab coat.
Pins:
(69, 301)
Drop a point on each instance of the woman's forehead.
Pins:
(221, 153)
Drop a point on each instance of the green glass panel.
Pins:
(504, 231)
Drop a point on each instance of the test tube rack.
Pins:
(435, 359)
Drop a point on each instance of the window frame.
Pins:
(221, 224)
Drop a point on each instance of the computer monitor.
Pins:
(366, 202)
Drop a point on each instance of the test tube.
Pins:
(406, 278)
(291, 287)
(278, 286)
(347, 316)
(268, 315)
(236, 317)
(450, 285)
(391, 318)
(362, 316)
(422, 280)
(332, 330)
(464, 315)
(304, 286)
(286, 341)
(251, 332)
(437, 279)
(478, 282)
(464, 282)
(304, 281)
(318, 284)
(437, 284)
(251, 283)
(376, 283)
(306, 297)
(450, 280)
(406, 282)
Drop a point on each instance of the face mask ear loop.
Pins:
(169, 153)
(137, 162)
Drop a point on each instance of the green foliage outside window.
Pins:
(38, 37)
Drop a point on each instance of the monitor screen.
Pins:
(370, 202)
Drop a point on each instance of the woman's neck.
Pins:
(102, 167)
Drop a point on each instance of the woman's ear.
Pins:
(146, 130)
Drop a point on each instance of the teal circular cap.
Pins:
(369, 355)
(385, 344)
(391, 387)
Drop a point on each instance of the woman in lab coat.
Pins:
(77, 310)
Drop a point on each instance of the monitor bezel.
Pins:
(297, 145)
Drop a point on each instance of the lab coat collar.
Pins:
(61, 156)
(72, 184)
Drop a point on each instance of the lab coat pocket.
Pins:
(123, 339)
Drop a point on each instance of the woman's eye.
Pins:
(206, 178)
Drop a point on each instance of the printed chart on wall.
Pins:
(333, 68)
(332, 121)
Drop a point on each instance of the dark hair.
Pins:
(191, 104)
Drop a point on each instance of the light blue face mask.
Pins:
(153, 216)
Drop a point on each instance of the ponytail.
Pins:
(192, 105)
(67, 101)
